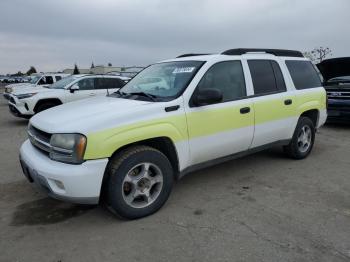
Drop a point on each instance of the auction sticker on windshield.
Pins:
(180, 70)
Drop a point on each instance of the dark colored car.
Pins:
(336, 74)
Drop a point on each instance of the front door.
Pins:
(224, 128)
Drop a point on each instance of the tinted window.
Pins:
(42, 81)
(281, 85)
(114, 83)
(100, 83)
(86, 84)
(226, 76)
(49, 80)
(265, 80)
(58, 78)
(304, 74)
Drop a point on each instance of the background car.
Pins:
(336, 74)
(28, 101)
(35, 80)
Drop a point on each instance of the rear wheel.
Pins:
(139, 182)
(303, 139)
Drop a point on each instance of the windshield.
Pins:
(63, 82)
(164, 80)
(34, 79)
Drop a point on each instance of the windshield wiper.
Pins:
(150, 96)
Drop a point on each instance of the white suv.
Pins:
(29, 101)
(36, 80)
(172, 118)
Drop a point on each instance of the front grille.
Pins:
(39, 139)
(339, 93)
(12, 100)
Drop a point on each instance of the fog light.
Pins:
(59, 184)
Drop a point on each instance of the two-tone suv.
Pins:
(127, 148)
(28, 101)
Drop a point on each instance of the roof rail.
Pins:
(188, 55)
(276, 52)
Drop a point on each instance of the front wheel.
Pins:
(140, 180)
(303, 139)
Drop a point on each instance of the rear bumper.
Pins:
(72, 183)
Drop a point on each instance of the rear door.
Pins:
(274, 107)
(225, 128)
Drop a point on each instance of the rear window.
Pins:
(304, 74)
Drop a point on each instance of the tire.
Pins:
(298, 148)
(128, 183)
(44, 106)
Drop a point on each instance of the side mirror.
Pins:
(74, 88)
(207, 96)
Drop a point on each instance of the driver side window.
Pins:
(86, 84)
(228, 77)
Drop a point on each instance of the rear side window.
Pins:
(304, 74)
(114, 83)
(267, 77)
(58, 78)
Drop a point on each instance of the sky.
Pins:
(55, 34)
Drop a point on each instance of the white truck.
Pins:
(37, 80)
(26, 102)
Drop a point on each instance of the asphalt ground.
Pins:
(264, 207)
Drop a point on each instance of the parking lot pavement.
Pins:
(264, 207)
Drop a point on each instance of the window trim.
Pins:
(192, 105)
(272, 92)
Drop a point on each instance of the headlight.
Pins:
(25, 95)
(68, 148)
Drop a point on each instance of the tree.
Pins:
(19, 73)
(31, 70)
(92, 65)
(109, 64)
(76, 70)
(317, 55)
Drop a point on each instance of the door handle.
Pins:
(288, 102)
(92, 94)
(244, 110)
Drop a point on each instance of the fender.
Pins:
(103, 144)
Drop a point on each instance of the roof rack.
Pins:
(276, 52)
(187, 55)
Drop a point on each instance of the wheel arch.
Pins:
(46, 100)
(312, 114)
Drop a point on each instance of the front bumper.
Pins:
(7, 96)
(19, 108)
(338, 110)
(72, 183)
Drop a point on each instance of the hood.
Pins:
(29, 89)
(18, 85)
(89, 115)
(335, 67)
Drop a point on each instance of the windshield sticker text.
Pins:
(180, 70)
